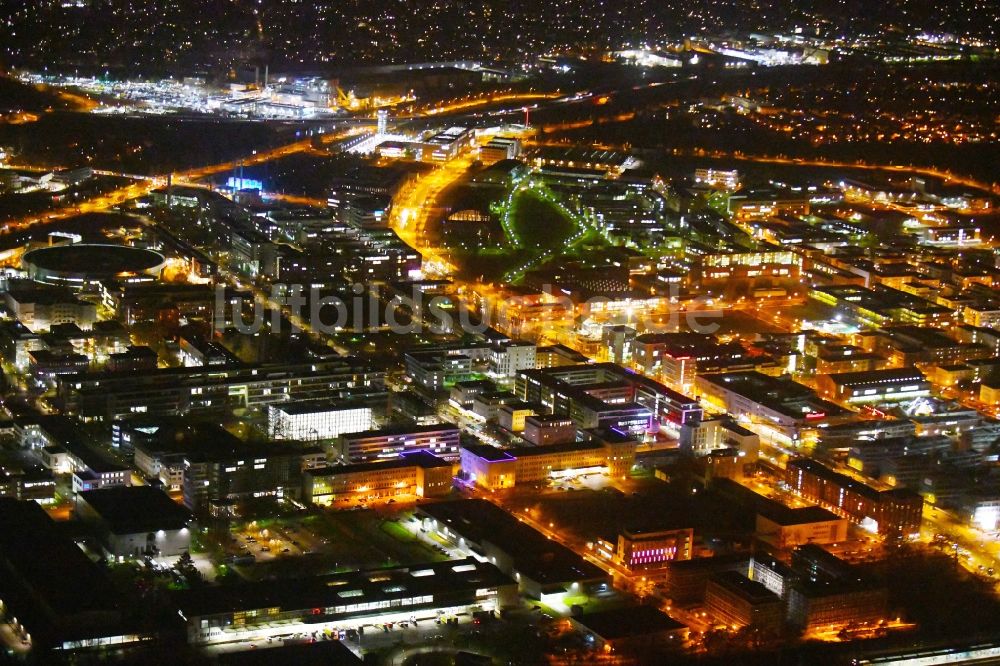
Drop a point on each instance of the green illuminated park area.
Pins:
(536, 225)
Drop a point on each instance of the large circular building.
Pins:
(77, 265)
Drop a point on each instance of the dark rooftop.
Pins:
(135, 509)
(629, 622)
(784, 515)
(353, 587)
(534, 555)
(748, 590)
(98, 259)
(42, 574)
(423, 459)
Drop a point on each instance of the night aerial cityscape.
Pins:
(440, 332)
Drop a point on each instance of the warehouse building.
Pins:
(255, 611)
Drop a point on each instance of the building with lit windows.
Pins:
(62, 450)
(772, 573)
(647, 549)
(370, 445)
(769, 262)
(79, 265)
(436, 370)
(874, 385)
(446, 145)
(545, 429)
(785, 527)
(212, 390)
(686, 580)
(825, 604)
(513, 415)
(39, 308)
(38, 485)
(417, 474)
(248, 611)
(318, 419)
(221, 474)
(600, 161)
(494, 468)
(557, 356)
(679, 357)
(136, 521)
(888, 511)
(605, 395)
(543, 568)
(881, 306)
(771, 407)
(982, 507)
(729, 180)
(721, 434)
(761, 204)
(737, 601)
(499, 149)
(463, 394)
(507, 359)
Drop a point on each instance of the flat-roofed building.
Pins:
(464, 393)
(63, 450)
(493, 468)
(436, 370)
(786, 527)
(889, 511)
(826, 604)
(370, 445)
(631, 627)
(212, 390)
(132, 359)
(509, 358)
(36, 484)
(543, 568)
(249, 611)
(686, 580)
(605, 395)
(646, 549)
(772, 573)
(136, 521)
(487, 405)
(832, 359)
(39, 308)
(54, 596)
(223, 473)
(776, 407)
(513, 415)
(557, 356)
(318, 419)
(158, 445)
(715, 434)
(874, 385)
(417, 474)
(198, 351)
(545, 429)
(499, 149)
(762, 204)
(737, 601)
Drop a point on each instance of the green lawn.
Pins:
(538, 232)
(538, 223)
